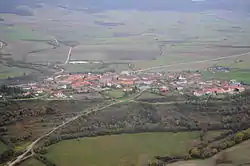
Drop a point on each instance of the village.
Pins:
(115, 86)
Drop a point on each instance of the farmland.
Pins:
(238, 74)
(119, 36)
(116, 94)
(6, 72)
(125, 149)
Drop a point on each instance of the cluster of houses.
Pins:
(66, 85)
(230, 87)
(126, 82)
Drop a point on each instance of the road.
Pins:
(29, 149)
(68, 56)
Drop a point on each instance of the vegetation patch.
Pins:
(22, 147)
(116, 93)
(3, 147)
(124, 149)
(32, 162)
(9, 72)
(148, 95)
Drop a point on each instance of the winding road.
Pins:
(29, 149)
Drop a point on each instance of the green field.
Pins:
(32, 162)
(149, 95)
(204, 36)
(124, 149)
(6, 71)
(3, 147)
(19, 32)
(116, 93)
(239, 75)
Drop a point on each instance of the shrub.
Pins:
(195, 153)
(239, 137)
(214, 151)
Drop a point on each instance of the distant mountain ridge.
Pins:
(178, 5)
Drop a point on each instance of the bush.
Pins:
(44, 160)
(230, 143)
(195, 153)
(214, 151)
(239, 137)
(6, 155)
(206, 152)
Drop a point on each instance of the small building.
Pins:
(127, 89)
(181, 78)
(198, 93)
(164, 89)
(179, 88)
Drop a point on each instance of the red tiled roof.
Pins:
(78, 84)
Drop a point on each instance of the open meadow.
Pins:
(124, 149)
(32, 162)
(234, 74)
(6, 72)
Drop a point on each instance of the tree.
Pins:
(195, 152)
(247, 133)
(239, 137)
(230, 143)
(214, 151)
(206, 152)
(155, 162)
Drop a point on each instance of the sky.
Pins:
(178, 5)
